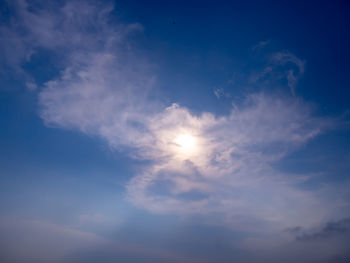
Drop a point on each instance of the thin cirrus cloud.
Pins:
(104, 90)
(292, 75)
(281, 66)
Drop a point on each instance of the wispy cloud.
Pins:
(279, 67)
(292, 75)
(261, 45)
(219, 92)
(73, 30)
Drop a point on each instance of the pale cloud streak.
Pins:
(292, 75)
(261, 45)
(279, 67)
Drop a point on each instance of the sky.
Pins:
(174, 131)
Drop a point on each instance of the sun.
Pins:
(186, 143)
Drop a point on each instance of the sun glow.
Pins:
(186, 143)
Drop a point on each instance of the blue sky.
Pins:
(180, 131)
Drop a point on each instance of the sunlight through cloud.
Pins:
(186, 143)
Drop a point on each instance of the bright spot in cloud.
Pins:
(186, 143)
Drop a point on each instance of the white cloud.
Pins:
(98, 97)
(231, 169)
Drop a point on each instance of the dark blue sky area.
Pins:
(206, 35)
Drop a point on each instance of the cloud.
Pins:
(219, 92)
(279, 67)
(98, 97)
(325, 243)
(70, 29)
(230, 172)
(292, 75)
(272, 249)
(261, 45)
(31, 86)
(329, 230)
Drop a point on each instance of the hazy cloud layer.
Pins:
(42, 241)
